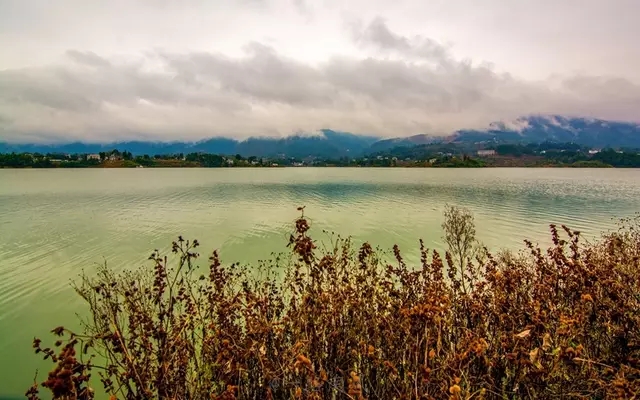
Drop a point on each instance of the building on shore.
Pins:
(486, 153)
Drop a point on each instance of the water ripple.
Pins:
(54, 224)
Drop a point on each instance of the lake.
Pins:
(55, 223)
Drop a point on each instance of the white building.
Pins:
(484, 153)
(93, 157)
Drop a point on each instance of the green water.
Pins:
(54, 223)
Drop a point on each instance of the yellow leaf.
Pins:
(533, 355)
(524, 334)
(546, 342)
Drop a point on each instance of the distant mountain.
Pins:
(533, 129)
(536, 129)
(417, 140)
(135, 147)
(327, 143)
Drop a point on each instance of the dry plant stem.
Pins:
(339, 322)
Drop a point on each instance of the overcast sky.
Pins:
(188, 69)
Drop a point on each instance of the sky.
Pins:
(102, 71)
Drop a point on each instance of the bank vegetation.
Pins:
(343, 322)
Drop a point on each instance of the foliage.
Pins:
(590, 164)
(573, 155)
(446, 155)
(342, 323)
(460, 237)
(14, 160)
(458, 162)
(423, 151)
(616, 159)
(207, 160)
(26, 160)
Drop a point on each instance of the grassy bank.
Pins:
(340, 322)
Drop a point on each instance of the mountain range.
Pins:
(589, 132)
(327, 143)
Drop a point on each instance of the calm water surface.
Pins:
(55, 223)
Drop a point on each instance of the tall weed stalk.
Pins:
(340, 323)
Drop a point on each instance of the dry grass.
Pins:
(343, 324)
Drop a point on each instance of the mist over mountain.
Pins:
(410, 141)
(584, 131)
(591, 132)
(334, 144)
(326, 143)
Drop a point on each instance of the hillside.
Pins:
(536, 129)
(588, 132)
(328, 143)
(533, 129)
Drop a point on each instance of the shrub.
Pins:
(342, 323)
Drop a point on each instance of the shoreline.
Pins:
(334, 166)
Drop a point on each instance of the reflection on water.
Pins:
(54, 223)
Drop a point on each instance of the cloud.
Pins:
(304, 8)
(87, 58)
(378, 36)
(191, 95)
